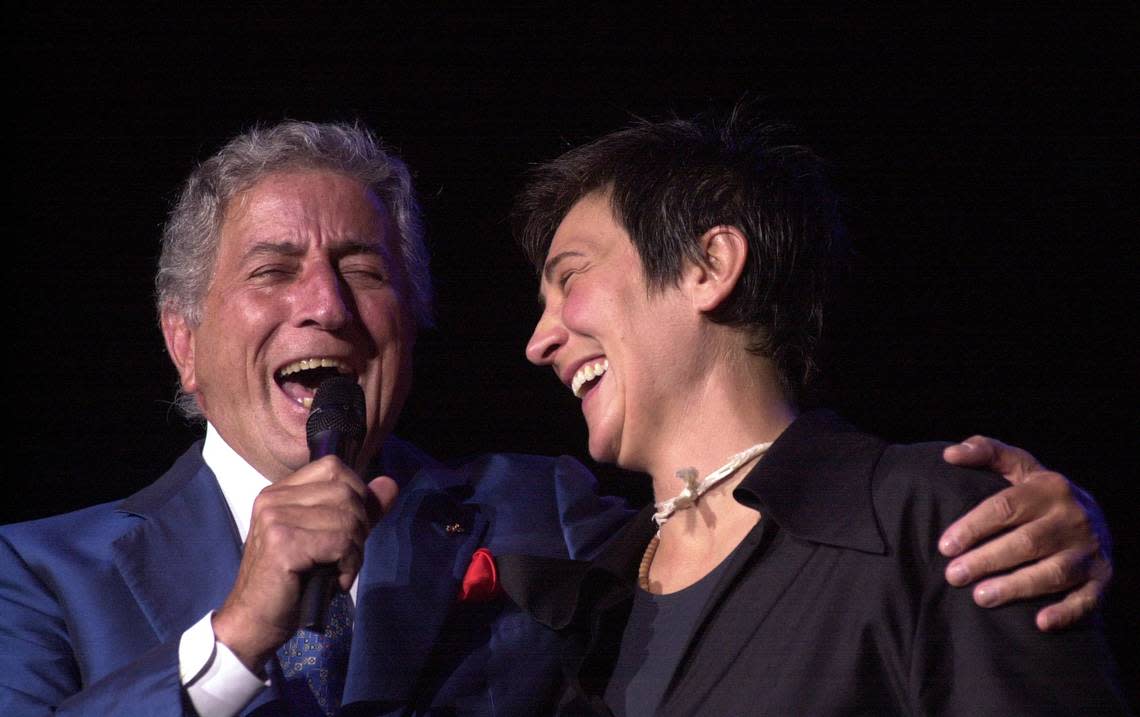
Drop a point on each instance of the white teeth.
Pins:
(588, 372)
(311, 363)
(306, 364)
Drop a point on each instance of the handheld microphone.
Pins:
(335, 427)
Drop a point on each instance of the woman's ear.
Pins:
(724, 249)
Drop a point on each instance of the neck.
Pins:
(722, 418)
(732, 408)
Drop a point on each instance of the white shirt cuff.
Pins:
(214, 678)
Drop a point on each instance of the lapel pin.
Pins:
(454, 529)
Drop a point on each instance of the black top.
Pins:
(837, 605)
(654, 641)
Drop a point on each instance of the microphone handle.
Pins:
(315, 596)
(320, 583)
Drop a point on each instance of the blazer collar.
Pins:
(815, 483)
(180, 560)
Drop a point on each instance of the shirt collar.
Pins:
(815, 483)
(240, 482)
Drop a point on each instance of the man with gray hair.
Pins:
(295, 254)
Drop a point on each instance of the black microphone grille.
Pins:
(339, 406)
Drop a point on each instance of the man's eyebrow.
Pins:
(273, 248)
(365, 246)
(289, 248)
(550, 267)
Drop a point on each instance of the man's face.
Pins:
(608, 338)
(305, 286)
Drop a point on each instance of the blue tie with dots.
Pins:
(314, 664)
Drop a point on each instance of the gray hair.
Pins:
(190, 237)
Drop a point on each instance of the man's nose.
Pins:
(324, 300)
(549, 336)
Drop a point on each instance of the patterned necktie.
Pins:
(314, 664)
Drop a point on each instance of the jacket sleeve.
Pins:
(972, 660)
(588, 520)
(965, 659)
(548, 507)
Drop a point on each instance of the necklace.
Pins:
(693, 489)
(687, 498)
(646, 561)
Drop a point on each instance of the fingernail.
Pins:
(950, 546)
(986, 595)
(957, 574)
(1045, 622)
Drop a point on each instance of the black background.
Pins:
(988, 161)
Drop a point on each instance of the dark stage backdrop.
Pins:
(988, 162)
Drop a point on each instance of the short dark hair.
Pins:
(669, 182)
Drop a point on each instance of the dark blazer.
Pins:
(834, 604)
(93, 603)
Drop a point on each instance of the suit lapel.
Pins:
(181, 559)
(782, 558)
(414, 562)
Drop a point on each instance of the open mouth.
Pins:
(300, 379)
(587, 376)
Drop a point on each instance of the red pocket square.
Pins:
(481, 583)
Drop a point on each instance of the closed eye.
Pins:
(365, 275)
(269, 272)
(564, 278)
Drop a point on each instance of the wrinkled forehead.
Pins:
(308, 197)
(304, 208)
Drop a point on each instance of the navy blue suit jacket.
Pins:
(93, 603)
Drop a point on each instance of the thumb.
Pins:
(382, 492)
(1013, 463)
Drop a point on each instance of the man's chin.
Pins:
(287, 460)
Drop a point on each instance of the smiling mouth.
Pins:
(587, 376)
(300, 379)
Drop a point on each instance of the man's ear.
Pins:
(180, 345)
(724, 249)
